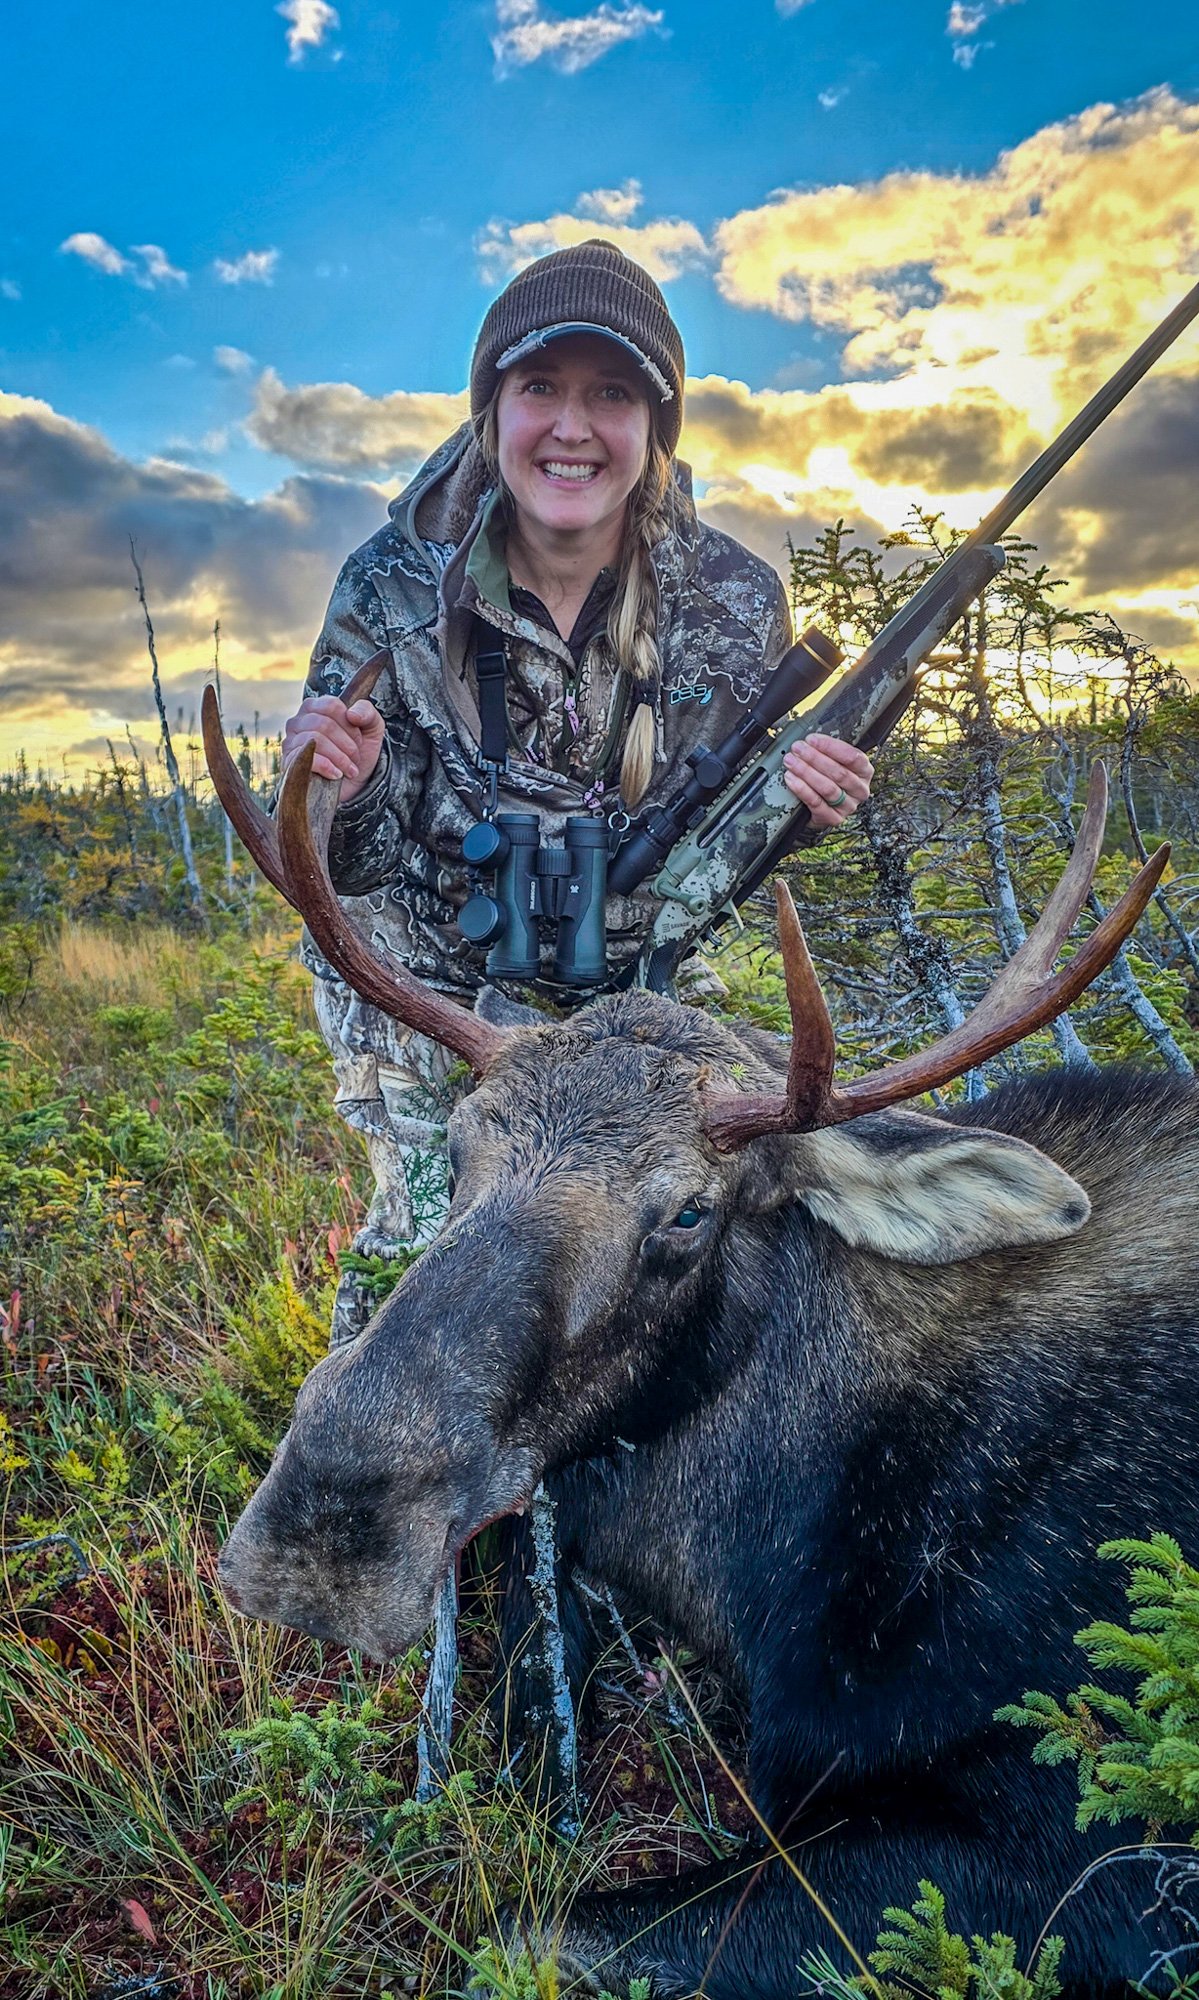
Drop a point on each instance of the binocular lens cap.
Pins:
(481, 920)
(483, 845)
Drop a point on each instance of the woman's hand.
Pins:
(830, 777)
(348, 740)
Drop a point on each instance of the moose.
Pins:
(888, 1375)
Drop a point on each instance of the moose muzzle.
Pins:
(383, 1477)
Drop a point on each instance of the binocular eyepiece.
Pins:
(567, 885)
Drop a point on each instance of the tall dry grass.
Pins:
(174, 1194)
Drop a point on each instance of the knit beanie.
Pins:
(591, 288)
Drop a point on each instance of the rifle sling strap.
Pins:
(490, 672)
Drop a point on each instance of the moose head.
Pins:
(613, 1177)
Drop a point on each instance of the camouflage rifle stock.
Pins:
(756, 820)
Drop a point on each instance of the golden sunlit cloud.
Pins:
(993, 307)
(1031, 281)
(666, 247)
(965, 443)
(978, 313)
(73, 661)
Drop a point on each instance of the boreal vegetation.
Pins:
(196, 1808)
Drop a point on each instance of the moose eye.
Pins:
(671, 1247)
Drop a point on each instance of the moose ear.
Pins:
(910, 1187)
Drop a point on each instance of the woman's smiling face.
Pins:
(573, 426)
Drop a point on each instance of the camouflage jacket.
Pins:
(414, 589)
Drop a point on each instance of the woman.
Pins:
(558, 517)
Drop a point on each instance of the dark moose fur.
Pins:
(868, 1491)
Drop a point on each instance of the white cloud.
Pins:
(9, 289)
(253, 267)
(525, 33)
(157, 268)
(233, 360)
(311, 21)
(965, 19)
(829, 99)
(612, 204)
(95, 251)
(334, 427)
(665, 247)
(788, 7)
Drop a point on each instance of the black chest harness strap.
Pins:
(491, 666)
(490, 671)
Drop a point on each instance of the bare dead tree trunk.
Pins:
(561, 1744)
(924, 951)
(986, 742)
(1124, 979)
(143, 776)
(130, 829)
(168, 748)
(1135, 717)
(436, 1724)
(1140, 1006)
(226, 821)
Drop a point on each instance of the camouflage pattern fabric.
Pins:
(414, 589)
(396, 1088)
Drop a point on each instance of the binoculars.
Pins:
(568, 885)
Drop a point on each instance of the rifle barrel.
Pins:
(1101, 405)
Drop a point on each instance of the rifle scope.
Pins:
(802, 669)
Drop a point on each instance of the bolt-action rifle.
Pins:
(717, 840)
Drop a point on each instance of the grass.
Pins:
(193, 1807)
(142, 968)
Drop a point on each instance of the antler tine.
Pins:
(1026, 995)
(306, 808)
(986, 1032)
(255, 828)
(731, 1121)
(1037, 956)
(290, 850)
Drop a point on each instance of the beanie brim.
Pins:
(545, 334)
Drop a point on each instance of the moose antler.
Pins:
(256, 829)
(1022, 999)
(292, 852)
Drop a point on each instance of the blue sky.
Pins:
(371, 163)
(357, 170)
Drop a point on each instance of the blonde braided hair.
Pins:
(633, 616)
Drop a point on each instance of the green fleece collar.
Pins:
(487, 563)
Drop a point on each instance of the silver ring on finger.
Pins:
(840, 799)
